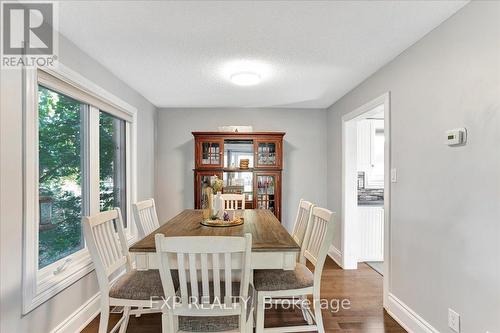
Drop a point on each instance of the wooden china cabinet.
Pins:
(219, 154)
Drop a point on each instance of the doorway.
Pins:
(366, 187)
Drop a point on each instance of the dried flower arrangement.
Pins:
(216, 184)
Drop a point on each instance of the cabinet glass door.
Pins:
(210, 154)
(204, 180)
(240, 183)
(267, 192)
(267, 154)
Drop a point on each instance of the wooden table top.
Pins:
(268, 235)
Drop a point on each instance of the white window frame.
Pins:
(41, 285)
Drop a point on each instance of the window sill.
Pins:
(50, 284)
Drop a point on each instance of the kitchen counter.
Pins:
(376, 203)
(371, 197)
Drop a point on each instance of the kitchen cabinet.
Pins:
(371, 228)
(370, 151)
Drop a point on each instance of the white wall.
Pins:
(304, 172)
(50, 314)
(445, 205)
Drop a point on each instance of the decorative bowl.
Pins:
(222, 223)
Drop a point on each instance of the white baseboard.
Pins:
(408, 318)
(77, 321)
(336, 255)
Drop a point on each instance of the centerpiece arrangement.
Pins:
(215, 221)
(215, 215)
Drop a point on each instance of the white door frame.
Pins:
(349, 240)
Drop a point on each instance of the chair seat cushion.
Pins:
(208, 324)
(278, 279)
(140, 285)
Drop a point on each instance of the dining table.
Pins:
(272, 245)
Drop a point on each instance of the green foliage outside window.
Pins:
(60, 173)
(110, 196)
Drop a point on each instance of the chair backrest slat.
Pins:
(303, 216)
(112, 242)
(216, 274)
(232, 201)
(311, 248)
(319, 237)
(102, 243)
(204, 255)
(193, 276)
(227, 277)
(182, 277)
(105, 237)
(204, 278)
(148, 220)
(145, 217)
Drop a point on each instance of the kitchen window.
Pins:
(79, 157)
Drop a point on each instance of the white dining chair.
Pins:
(232, 201)
(105, 239)
(214, 283)
(303, 216)
(273, 285)
(145, 217)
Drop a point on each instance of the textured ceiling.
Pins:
(180, 54)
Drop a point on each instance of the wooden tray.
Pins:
(220, 223)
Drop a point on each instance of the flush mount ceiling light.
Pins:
(245, 72)
(245, 78)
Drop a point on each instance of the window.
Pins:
(79, 157)
(112, 164)
(59, 176)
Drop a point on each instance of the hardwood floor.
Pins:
(362, 287)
